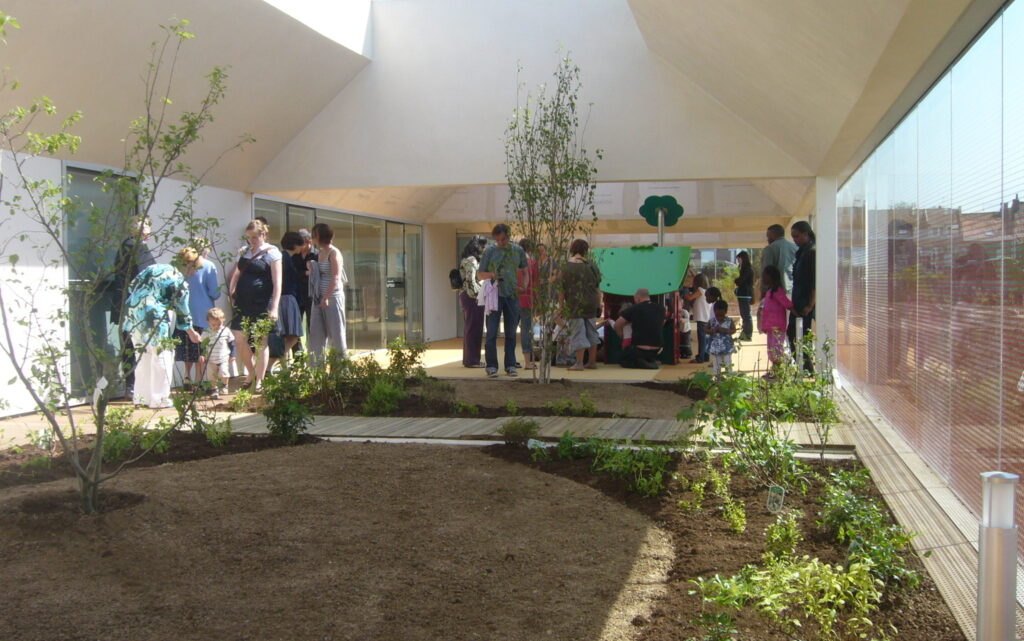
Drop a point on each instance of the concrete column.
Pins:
(826, 229)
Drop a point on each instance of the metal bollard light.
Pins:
(997, 559)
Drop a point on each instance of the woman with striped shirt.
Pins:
(327, 280)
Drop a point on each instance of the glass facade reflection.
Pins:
(931, 301)
(384, 263)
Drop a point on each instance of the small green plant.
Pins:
(511, 407)
(697, 489)
(469, 409)
(518, 431)
(798, 594)
(242, 401)
(540, 454)
(218, 433)
(782, 537)
(438, 395)
(736, 515)
(155, 440)
(285, 407)
(41, 438)
(405, 360)
(570, 448)
(259, 329)
(383, 399)
(862, 523)
(39, 463)
(717, 626)
(561, 407)
(587, 406)
(643, 467)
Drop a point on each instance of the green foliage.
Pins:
(782, 537)
(571, 448)
(551, 179)
(327, 382)
(439, 395)
(717, 626)
(801, 595)
(697, 491)
(862, 523)
(383, 399)
(733, 509)
(218, 433)
(155, 147)
(512, 407)
(285, 407)
(540, 454)
(518, 431)
(469, 409)
(566, 407)
(125, 436)
(405, 360)
(39, 463)
(731, 409)
(41, 438)
(259, 329)
(735, 514)
(643, 467)
(242, 401)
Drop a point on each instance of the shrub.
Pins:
(512, 407)
(643, 467)
(405, 360)
(439, 395)
(801, 594)
(242, 401)
(125, 435)
(518, 431)
(731, 409)
(218, 433)
(861, 522)
(587, 405)
(782, 537)
(285, 408)
(462, 407)
(383, 398)
(570, 448)
(328, 382)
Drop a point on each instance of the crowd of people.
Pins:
(171, 309)
(500, 283)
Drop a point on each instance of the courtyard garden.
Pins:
(729, 531)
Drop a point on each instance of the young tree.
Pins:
(69, 279)
(550, 176)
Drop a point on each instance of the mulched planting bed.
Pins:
(330, 541)
(29, 464)
(705, 545)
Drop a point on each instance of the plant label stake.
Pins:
(776, 497)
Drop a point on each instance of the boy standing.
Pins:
(217, 352)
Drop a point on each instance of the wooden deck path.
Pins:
(551, 427)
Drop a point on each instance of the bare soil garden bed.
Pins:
(28, 464)
(705, 545)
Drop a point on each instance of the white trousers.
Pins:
(153, 378)
(721, 362)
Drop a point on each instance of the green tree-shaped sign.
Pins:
(652, 204)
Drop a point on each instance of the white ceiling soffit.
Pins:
(814, 76)
(432, 107)
(91, 56)
(414, 204)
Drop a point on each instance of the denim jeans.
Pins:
(508, 308)
(702, 342)
(748, 322)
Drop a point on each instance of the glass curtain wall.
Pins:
(931, 299)
(384, 264)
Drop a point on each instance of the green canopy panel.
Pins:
(626, 269)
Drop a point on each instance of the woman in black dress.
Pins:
(255, 290)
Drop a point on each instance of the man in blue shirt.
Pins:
(500, 264)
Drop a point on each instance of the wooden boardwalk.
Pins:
(551, 427)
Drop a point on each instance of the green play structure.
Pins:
(626, 269)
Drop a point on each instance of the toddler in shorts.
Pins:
(216, 352)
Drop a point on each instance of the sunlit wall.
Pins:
(931, 321)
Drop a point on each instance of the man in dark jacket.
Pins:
(804, 278)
